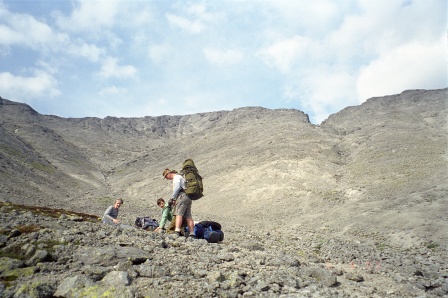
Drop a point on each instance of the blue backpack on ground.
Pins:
(146, 223)
(209, 230)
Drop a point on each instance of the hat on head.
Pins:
(167, 171)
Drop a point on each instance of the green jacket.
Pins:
(167, 216)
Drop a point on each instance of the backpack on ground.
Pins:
(146, 223)
(193, 181)
(209, 230)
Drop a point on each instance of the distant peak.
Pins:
(19, 105)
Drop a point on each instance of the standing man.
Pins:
(182, 203)
(111, 214)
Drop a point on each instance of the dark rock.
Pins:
(70, 286)
(323, 276)
(36, 289)
(14, 233)
(40, 255)
(117, 278)
(354, 276)
(109, 255)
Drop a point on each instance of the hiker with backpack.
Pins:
(180, 201)
(167, 215)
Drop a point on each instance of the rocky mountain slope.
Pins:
(373, 175)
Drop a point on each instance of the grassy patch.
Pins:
(301, 253)
(318, 247)
(11, 151)
(50, 212)
(16, 252)
(380, 246)
(13, 252)
(43, 168)
(28, 229)
(432, 245)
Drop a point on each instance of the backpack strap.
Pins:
(213, 224)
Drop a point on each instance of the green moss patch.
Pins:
(13, 274)
(14, 252)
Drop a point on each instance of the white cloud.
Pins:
(317, 56)
(192, 26)
(159, 53)
(25, 30)
(41, 84)
(140, 17)
(377, 27)
(331, 91)
(199, 10)
(47, 67)
(89, 51)
(112, 90)
(89, 15)
(97, 16)
(410, 66)
(111, 69)
(223, 58)
(9, 37)
(367, 49)
(321, 90)
(312, 17)
(285, 54)
(194, 18)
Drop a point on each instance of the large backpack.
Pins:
(209, 230)
(193, 181)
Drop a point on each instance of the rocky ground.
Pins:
(353, 207)
(53, 253)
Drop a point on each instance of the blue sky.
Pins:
(150, 58)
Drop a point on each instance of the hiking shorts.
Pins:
(183, 205)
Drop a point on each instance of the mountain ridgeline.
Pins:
(377, 168)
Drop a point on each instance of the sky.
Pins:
(140, 58)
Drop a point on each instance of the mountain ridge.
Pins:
(355, 206)
(250, 156)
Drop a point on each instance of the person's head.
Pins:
(161, 203)
(118, 203)
(169, 174)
